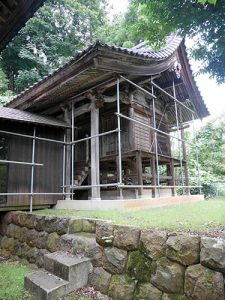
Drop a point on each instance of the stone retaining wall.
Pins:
(131, 263)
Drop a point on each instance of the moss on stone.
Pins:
(139, 266)
(209, 276)
(121, 287)
(173, 297)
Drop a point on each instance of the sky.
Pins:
(213, 94)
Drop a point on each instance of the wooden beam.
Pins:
(169, 84)
(82, 110)
(6, 7)
(2, 19)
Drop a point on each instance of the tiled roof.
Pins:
(172, 43)
(27, 117)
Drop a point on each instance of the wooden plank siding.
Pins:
(47, 178)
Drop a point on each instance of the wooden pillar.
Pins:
(95, 165)
(131, 131)
(153, 172)
(185, 164)
(139, 171)
(172, 174)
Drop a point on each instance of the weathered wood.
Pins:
(139, 171)
(82, 110)
(95, 164)
(171, 172)
(153, 171)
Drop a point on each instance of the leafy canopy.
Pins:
(203, 22)
(50, 38)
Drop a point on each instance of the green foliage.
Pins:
(204, 23)
(50, 38)
(205, 1)
(211, 152)
(117, 31)
(5, 94)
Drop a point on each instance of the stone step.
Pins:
(45, 286)
(72, 268)
(83, 244)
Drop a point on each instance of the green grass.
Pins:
(205, 216)
(11, 281)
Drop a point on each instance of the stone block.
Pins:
(203, 283)
(83, 244)
(114, 260)
(45, 286)
(53, 242)
(32, 255)
(89, 225)
(8, 244)
(7, 218)
(104, 233)
(168, 276)
(174, 297)
(153, 243)
(32, 237)
(75, 225)
(69, 267)
(100, 280)
(23, 234)
(213, 253)
(40, 257)
(121, 287)
(139, 267)
(22, 219)
(184, 248)
(41, 241)
(147, 291)
(126, 237)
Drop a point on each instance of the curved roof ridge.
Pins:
(162, 54)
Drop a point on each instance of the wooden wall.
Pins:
(48, 178)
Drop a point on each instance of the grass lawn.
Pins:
(207, 216)
(11, 281)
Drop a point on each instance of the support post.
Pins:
(64, 165)
(139, 171)
(153, 173)
(119, 169)
(95, 164)
(172, 174)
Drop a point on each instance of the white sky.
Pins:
(213, 94)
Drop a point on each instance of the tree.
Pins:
(204, 22)
(211, 149)
(117, 32)
(4, 93)
(50, 38)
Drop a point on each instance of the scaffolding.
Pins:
(119, 184)
(68, 190)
